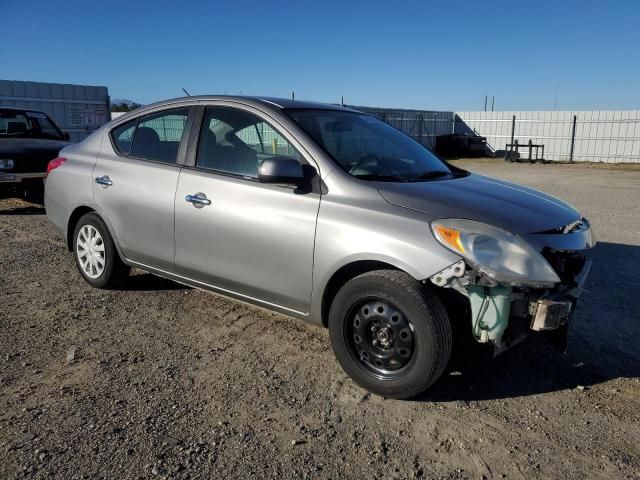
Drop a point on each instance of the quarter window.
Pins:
(153, 137)
(237, 142)
(123, 135)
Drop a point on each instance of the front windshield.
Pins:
(368, 148)
(26, 124)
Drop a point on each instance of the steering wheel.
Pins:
(365, 158)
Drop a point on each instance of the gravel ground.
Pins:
(162, 381)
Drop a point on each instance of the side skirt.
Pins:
(255, 302)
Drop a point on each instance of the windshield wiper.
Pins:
(430, 175)
(382, 178)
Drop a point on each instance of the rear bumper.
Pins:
(6, 177)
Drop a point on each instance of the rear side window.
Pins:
(153, 137)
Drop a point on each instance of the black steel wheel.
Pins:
(390, 333)
(380, 336)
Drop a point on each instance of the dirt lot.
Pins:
(173, 382)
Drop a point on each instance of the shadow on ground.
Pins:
(604, 342)
(24, 210)
(147, 282)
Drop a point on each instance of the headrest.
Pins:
(146, 135)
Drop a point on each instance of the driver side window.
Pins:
(237, 142)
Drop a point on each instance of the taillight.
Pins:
(55, 163)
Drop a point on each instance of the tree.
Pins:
(124, 107)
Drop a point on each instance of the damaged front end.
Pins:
(535, 291)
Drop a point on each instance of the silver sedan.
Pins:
(326, 214)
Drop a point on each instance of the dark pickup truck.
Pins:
(28, 140)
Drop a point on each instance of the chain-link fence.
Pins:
(422, 125)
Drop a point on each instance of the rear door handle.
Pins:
(198, 200)
(104, 181)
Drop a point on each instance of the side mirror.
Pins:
(282, 170)
(66, 137)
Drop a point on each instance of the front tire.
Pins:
(95, 254)
(391, 335)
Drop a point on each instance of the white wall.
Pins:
(611, 136)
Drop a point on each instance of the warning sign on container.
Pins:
(74, 116)
(89, 118)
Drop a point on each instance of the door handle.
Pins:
(198, 200)
(104, 181)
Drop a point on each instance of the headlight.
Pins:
(6, 164)
(502, 256)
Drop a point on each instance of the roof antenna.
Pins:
(188, 94)
(293, 95)
(342, 101)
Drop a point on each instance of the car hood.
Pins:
(513, 207)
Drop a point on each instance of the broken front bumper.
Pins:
(555, 310)
(505, 315)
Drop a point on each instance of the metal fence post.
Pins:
(513, 128)
(509, 154)
(573, 137)
(435, 128)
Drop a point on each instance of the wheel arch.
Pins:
(73, 221)
(343, 275)
(77, 214)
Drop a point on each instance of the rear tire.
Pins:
(95, 254)
(390, 334)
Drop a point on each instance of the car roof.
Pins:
(271, 102)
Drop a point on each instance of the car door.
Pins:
(247, 238)
(135, 180)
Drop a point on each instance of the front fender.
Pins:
(389, 234)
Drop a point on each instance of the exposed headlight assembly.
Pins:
(502, 256)
(6, 164)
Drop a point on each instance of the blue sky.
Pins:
(414, 54)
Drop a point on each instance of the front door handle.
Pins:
(104, 181)
(198, 200)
